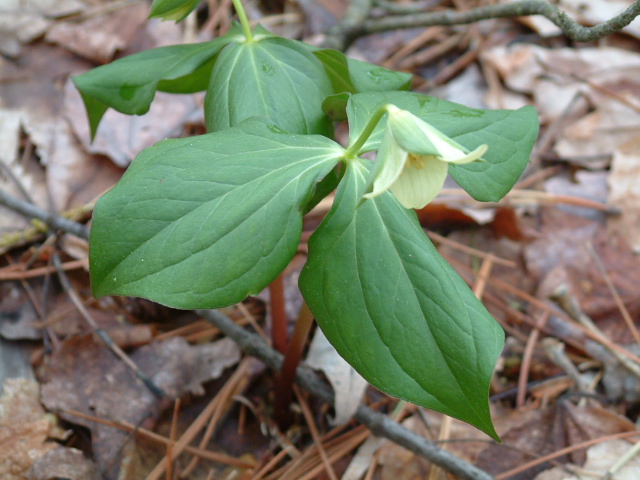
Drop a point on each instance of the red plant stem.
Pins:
(284, 379)
(279, 338)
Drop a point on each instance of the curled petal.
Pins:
(470, 157)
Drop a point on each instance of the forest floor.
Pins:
(556, 262)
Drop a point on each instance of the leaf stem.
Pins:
(244, 21)
(284, 379)
(279, 338)
(354, 149)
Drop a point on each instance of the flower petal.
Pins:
(469, 157)
(418, 186)
(388, 166)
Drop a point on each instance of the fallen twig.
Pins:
(54, 220)
(522, 8)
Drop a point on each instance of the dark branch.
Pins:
(522, 8)
(378, 423)
(53, 220)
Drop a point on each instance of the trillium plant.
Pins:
(205, 221)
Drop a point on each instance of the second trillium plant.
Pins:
(203, 222)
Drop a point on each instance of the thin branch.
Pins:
(52, 219)
(340, 36)
(411, 8)
(378, 423)
(522, 8)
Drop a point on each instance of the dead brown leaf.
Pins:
(563, 255)
(625, 192)
(25, 428)
(102, 34)
(66, 463)
(540, 432)
(85, 376)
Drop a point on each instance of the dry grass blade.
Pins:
(149, 435)
(260, 474)
(172, 438)
(614, 293)
(234, 385)
(308, 416)
(309, 464)
(523, 197)
(195, 428)
(13, 272)
(523, 378)
(470, 250)
(564, 451)
(508, 288)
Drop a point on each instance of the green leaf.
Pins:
(510, 135)
(337, 67)
(396, 310)
(272, 77)
(367, 77)
(203, 222)
(172, 9)
(353, 76)
(129, 84)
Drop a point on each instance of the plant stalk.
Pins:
(244, 21)
(279, 337)
(284, 379)
(354, 149)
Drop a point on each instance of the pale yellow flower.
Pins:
(413, 159)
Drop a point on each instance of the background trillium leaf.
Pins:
(129, 84)
(396, 310)
(273, 77)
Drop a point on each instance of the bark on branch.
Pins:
(349, 30)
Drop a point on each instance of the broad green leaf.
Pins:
(202, 222)
(273, 77)
(172, 9)
(354, 76)
(510, 135)
(396, 310)
(129, 84)
(367, 77)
